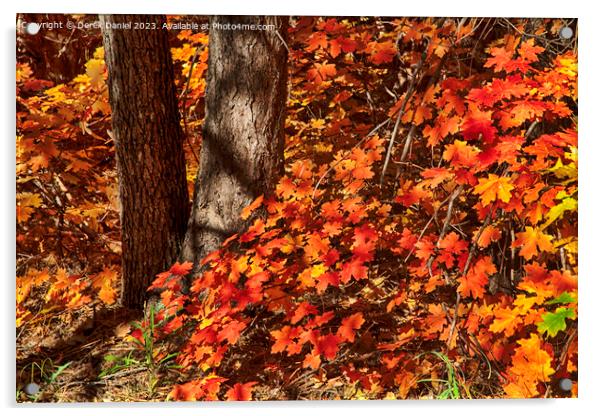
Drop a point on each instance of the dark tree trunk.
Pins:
(149, 151)
(243, 136)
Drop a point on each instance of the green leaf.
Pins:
(554, 322)
(562, 299)
(557, 211)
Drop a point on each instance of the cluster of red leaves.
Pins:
(467, 247)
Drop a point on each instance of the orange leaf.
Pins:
(312, 360)
(355, 269)
(231, 332)
(532, 239)
(506, 320)
(316, 40)
(494, 188)
(304, 309)
(181, 269)
(443, 127)
(284, 339)
(246, 211)
(241, 392)
(477, 277)
(500, 57)
(321, 72)
(489, 234)
(348, 326)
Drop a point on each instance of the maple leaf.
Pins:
(453, 244)
(460, 153)
(317, 40)
(181, 269)
(436, 175)
(103, 281)
(494, 188)
(321, 72)
(354, 268)
(483, 96)
(473, 283)
(529, 51)
(363, 160)
(316, 246)
(328, 346)
(341, 44)
(312, 360)
(500, 57)
(531, 364)
(286, 188)
(524, 110)
(241, 392)
(381, 53)
(553, 322)
(325, 280)
(478, 125)
(443, 127)
(246, 211)
(231, 332)
(189, 391)
(417, 117)
(489, 234)
(364, 243)
(348, 326)
(26, 202)
(531, 240)
(302, 169)
(284, 338)
(436, 319)
(506, 320)
(304, 309)
(95, 69)
(200, 389)
(424, 249)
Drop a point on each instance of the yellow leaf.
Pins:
(26, 202)
(494, 188)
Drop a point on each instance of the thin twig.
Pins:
(409, 93)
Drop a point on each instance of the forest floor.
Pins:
(86, 355)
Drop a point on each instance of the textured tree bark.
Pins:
(149, 152)
(243, 136)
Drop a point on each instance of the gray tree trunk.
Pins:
(243, 136)
(149, 152)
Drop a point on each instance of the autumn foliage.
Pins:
(428, 210)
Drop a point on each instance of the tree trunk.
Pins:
(243, 135)
(149, 152)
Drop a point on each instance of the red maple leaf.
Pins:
(478, 126)
(328, 346)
